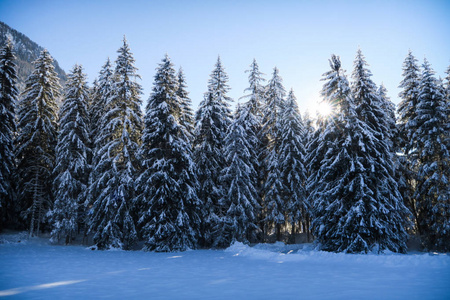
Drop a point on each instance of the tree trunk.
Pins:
(278, 232)
(33, 207)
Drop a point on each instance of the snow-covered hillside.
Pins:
(33, 269)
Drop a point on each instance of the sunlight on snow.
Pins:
(16, 291)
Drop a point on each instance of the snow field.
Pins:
(33, 269)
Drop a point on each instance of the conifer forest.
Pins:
(98, 165)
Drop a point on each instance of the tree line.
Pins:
(359, 180)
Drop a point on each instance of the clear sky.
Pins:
(296, 36)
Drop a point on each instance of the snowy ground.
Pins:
(33, 269)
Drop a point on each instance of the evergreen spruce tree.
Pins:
(274, 189)
(99, 100)
(212, 120)
(240, 199)
(406, 127)
(409, 99)
(8, 98)
(315, 149)
(254, 118)
(384, 216)
(36, 141)
(97, 109)
(186, 115)
(371, 109)
(92, 101)
(357, 206)
(403, 174)
(325, 144)
(310, 138)
(292, 154)
(309, 128)
(255, 90)
(433, 188)
(389, 110)
(168, 203)
(116, 166)
(72, 151)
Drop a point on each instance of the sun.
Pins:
(323, 108)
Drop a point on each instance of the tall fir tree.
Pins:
(36, 141)
(99, 100)
(8, 98)
(116, 166)
(409, 99)
(240, 198)
(357, 206)
(406, 110)
(315, 149)
(91, 111)
(186, 115)
(403, 174)
(371, 109)
(389, 110)
(255, 90)
(433, 142)
(212, 120)
(325, 144)
(97, 109)
(385, 215)
(255, 103)
(292, 155)
(71, 170)
(168, 205)
(274, 206)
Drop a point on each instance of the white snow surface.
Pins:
(34, 269)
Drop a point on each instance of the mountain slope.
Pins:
(26, 52)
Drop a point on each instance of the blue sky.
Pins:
(296, 36)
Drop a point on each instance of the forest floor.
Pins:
(34, 269)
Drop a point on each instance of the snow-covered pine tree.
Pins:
(377, 215)
(187, 115)
(356, 204)
(92, 101)
(98, 104)
(116, 166)
(72, 151)
(274, 206)
(409, 99)
(313, 155)
(291, 156)
(36, 141)
(371, 109)
(92, 128)
(432, 137)
(406, 127)
(8, 98)
(389, 110)
(168, 205)
(240, 199)
(325, 178)
(212, 120)
(254, 117)
(255, 90)
(97, 109)
(403, 174)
